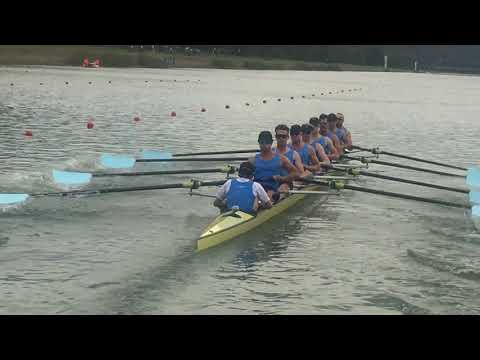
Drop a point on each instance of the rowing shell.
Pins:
(233, 224)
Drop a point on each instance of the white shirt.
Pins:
(257, 189)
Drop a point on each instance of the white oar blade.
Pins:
(475, 197)
(11, 199)
(117, 161)
(154, 155)
(473, 178)
(71, 178)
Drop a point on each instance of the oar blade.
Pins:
(476, 216)
(475, 197)
(71, 178)
(117, 161)
(12, 199)
(473, 178)
(155, 155)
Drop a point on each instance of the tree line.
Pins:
(429, 57)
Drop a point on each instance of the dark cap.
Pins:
(323, 116)
(332, 117)
(265, 137)
(246, 170)
(315, 122)
(307, 129)
(295, 130)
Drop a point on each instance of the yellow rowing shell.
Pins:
(227, 226)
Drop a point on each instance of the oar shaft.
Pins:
(218, 153)
(394, 195)
(128, 189)
(376, 151)
(152, 173)
(422, 160)
(412, 182)
(403, 166)
(405, 196)
(193, 160)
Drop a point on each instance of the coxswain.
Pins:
(243, 193)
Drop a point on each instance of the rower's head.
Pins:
(282, 134)
(296, 134)
(323, 126)
(265, 140)
(340, 120)
(246, 170)
(307, 130)
(315, 122)
(323, 117)
(332, 122)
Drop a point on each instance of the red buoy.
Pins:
(173, 114)
(137, 119)
(90, 124)
(28, 133)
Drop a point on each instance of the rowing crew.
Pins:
(268, 177)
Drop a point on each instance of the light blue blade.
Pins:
(473, 178)
(476, 216)
(476, 211)
(71, 178)
(9, 199)
(475, 197)
(154, 155)
(117, 161)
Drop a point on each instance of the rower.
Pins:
(343, 134)
(304, 149)
(332, 129)
(325, 143)
(269, 166)
(242, 193)
(282, 134)
(329, 148)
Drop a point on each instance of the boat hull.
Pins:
(225, 228)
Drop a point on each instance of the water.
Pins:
(133, 253)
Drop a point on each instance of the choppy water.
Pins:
(134, 253)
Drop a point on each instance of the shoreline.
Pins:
(73, 55)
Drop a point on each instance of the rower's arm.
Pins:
(334, 155)
(298, 163)
(315, 164)
(337, 145)
(292, 171)
(324, 160)
(349, 140)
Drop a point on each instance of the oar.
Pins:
(126, 162)
(82, 178)
(378, 152)
(12, 199)
(356, 172)
(340, 185)
(384, 163)
(473, 178)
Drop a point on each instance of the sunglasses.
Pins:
(280, 136)
(295, 133)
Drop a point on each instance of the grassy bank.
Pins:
(72, 55)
